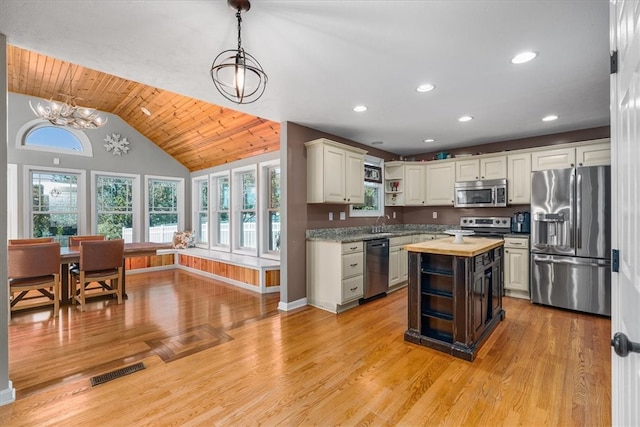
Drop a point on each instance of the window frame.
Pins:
(135, 200)
(26, 129)
(236, 209)
(28, 197)
(196, 198)
(214, 211)
(180, 196)
(265, 194)
(372, 161)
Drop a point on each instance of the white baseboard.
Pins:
(288, 306)
(8, 395)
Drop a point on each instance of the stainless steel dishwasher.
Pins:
(376, 274)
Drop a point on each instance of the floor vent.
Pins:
(101, 379)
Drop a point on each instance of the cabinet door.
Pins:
(493, 167)
(467, 170)
(594, 155)
(440, 182)
(403, 261)
(394, 265)
(414, 176)
(519, 178)
(560, 158)
(516, 269)
(334, 174)
(354, 184)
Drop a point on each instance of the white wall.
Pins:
(143, 158)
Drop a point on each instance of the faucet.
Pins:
(379, 228)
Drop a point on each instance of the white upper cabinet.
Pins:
(335, 172)
(441, 177)
(414, 175)
(484, 168)
(594, 154)
(519, 178)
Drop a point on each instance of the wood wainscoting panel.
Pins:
(135, 263)
(272, 278)
(246, 275)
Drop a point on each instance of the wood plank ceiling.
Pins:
(197, 134)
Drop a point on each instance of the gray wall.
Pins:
(143, 158)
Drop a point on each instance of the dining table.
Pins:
(71, 254)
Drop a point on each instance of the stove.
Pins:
(487, 226)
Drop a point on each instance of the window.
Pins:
(373, 195)
(220, 204)
(43, 136)
(54, 204)
(270, 183)
(165, 201)
(246, 210)
(201, 210)
(115, 198)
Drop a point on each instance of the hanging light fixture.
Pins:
(67, 113)
(238, 76)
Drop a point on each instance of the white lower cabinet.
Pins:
(516, 267)
(398, 261)
(335, 274)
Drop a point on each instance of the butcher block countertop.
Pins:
(472, 246)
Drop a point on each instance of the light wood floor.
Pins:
(219, 355)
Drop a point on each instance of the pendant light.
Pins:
(237, 75)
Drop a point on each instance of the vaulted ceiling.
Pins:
(197, 134)
(323, 58)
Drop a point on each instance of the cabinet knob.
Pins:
(482, 177)
(579, 164)
(572, 165)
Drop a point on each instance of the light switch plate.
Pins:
(435, 215)
(330, 216)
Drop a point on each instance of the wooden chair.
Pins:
(34, 267)
(101, 261)
(33, 241)
(75, 240)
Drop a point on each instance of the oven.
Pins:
(487, 226)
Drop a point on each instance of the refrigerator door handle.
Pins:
(571, 261)
(578, 210)
(572, 203)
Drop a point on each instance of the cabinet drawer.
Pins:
(352, 288)
(349, 248)
(352, 265)
(515, 242)
(400, 240)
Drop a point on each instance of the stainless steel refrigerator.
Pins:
(571, 238)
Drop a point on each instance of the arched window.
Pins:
(41, 135)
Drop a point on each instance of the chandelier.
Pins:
(67, 112)
(237, 75)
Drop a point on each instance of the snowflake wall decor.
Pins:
(118, 146)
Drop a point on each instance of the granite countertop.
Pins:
(356, 234)
(471, 246)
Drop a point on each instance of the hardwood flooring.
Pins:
(219, 355)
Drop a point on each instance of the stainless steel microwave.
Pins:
(490, 193)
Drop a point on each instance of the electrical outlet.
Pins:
(56, 161)
(435, 215)
(394, 215)
(330, 216)
(343, 216)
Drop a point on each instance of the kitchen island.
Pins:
(455, 294)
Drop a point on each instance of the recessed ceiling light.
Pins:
(465, 118)
(429, 140)
(550, 118)
(523, 57)
(360, 108)
(145, 111)
(425, 87)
